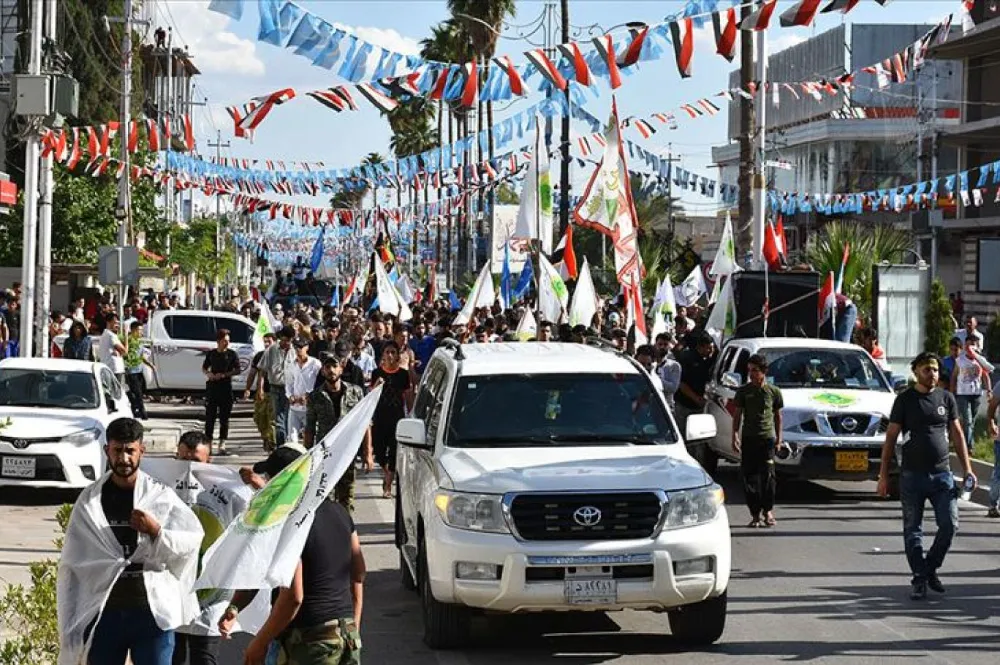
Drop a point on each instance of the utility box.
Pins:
(65, 96)
(32, 95)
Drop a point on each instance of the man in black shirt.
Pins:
(318, 618)
(696, 368)
(220, 366)
(927, 413)
(351, 372)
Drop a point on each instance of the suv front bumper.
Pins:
(533, 574)
(828, 458)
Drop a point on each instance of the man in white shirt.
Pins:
(972, 330)
(300, 380)
(110, 349)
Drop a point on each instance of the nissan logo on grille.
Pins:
(849, 423)
(587, 516)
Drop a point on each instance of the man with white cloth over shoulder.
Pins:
(128, 563)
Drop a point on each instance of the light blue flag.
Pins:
(524, 280)
(231, 8)
(317, 252)
(505, 278)
(453, 300)
(270, 30)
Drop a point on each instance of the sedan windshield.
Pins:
(823, 368)
(48, 389)
(558, 409)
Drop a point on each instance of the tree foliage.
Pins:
(939, 322)
(193, 250)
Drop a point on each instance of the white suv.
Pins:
(537, 477)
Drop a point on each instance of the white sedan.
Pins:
(53, 414)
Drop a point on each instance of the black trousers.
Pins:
(218, 404)
(195, 649)
(136, 390)
(757, 468)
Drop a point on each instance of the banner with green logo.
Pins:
(260, 549)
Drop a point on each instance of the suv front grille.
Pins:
(850, 424)
(623, 515)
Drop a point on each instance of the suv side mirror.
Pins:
(700, 426)
(412, 432)
(732, 380)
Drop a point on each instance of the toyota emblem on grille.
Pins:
(587, 516)
(849, 423)
(20, 444)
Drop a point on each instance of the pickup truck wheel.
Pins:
(446, 626)
(701, 623)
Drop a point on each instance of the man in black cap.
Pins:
(350, 373)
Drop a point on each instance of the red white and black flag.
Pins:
(508, 68)
(264, 106)
(547, 68)
(581, 71)
(843, 6)
(761, 18)
(725, 37)
(682, 35)
(470, 89)
(606, 48)
(801, 13)
(634, 50)
(380, 100)
(338, 98)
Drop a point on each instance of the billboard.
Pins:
(504, 223)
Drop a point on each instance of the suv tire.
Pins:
(699, 624)
(446, 626)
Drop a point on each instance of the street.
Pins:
(828, 584)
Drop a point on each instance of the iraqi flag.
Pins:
(801, 13)
(564, 257)
(827, 299)
(761, 18)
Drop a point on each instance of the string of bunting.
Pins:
(69, 145)
(387, 76)
(939, 192)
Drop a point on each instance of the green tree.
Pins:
(507, 195)
(869, 244)
(193, 250)
(939, 323)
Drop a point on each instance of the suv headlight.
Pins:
(83, 437)
(474, 512)
(693, 507)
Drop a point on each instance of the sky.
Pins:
(235, 68)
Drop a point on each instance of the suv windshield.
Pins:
(823, 368)
(558, 409)
(51, 389)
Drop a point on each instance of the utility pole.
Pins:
(564, 184)
(168, 190)
(218, 145)
(31, 177)
(44, 276)
(760, 137)
(744, 225)
(671, 224)
(124, 210)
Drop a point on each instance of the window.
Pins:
(190, 328)
(823, 368)
(426, 392)
(723, 363)
(437, 386)
(987, 267)
(239, 332)
(525, 410)
(741, 364)
(48, 389)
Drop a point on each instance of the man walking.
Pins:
(756, 435)
(257, 385)
(276, 358)
(300, 380)
(330, 402)
(133, 535)
(220, 366)
(135, 358)
(111, 350)
(928, 414)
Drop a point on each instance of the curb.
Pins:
(984, 473)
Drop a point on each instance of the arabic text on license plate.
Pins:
(591, 592)
(851, 460)
(18, 467)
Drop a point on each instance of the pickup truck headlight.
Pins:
(474, 512)
(693, 507)
(83, 437)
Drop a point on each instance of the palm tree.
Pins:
(412, 135)
(353, 198)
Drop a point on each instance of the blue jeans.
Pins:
(845, 323)
(995, 480)
(121, 633)
(915, 489)
(279, 402)
(968, 408)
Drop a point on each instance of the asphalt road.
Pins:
(828, 585)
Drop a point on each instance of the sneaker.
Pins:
(918, 590)
(993, 512)
(934, 583)
(223, 451)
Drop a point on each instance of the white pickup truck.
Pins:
(542, 476)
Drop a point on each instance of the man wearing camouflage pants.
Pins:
(263, 410)
(326, 405)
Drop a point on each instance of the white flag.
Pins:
(389, 299)
(584, 305)
(526, 327)
(725, 257)
(534, 216)
(482, 295)
(405, 288)
(721, 324)
(553, 296)
(216, 495)
(664, 308)
(266, 324)
(261, 548)
(692, 288)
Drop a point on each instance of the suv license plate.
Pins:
(18, 467)
(851, 460)
(591, 592)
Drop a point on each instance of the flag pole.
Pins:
(833, 311)
(767, 287)
(538, 223)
